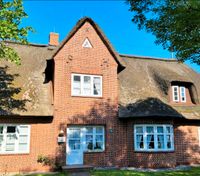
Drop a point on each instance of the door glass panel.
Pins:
(74, 133)
(74, 144)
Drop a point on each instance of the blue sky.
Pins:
(113, 17)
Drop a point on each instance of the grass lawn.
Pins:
(195, 171)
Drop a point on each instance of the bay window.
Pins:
(86, 85)
(14, 138)
(153, 137)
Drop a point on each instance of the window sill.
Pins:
(93, 151)
(154, 151)
(10, 153)
(84, 96)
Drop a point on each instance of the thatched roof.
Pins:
(23, 88)
(143, 82)
(144, 85)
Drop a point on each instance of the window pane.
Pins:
(1, 142)
(23, 139)
(77, 85)
(169, 146)
(99, 130)
(89, 142)
(77, 78)
(140, 141)
(23, 129)
(10, 138)
(97, 86)
(160, 141)
(74, 144)
(99, 138)
(149, 129)
(23, 147)
(89, 129)
(74, 133)
(168, 129)
(98, 146)
(10, 147)
(139, 130)
(87, 85)
(11, 129)
(160, 129)
(150, 142)
(1, 129)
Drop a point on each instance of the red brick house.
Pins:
(80, 102)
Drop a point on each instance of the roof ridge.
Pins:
(29, 44)
(148, 57)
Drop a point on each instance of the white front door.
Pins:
(74, 146)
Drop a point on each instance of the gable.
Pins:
(100, 34)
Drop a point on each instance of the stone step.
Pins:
(77, 170)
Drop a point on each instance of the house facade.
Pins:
(80, 102)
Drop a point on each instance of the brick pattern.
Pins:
(187, 144)
(68, 110)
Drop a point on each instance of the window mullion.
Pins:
(82, 79)
(94, 136)
(4, 139)
(92, 83)
(155, 138)
(145, 137)
(165, 137)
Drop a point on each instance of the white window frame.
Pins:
(155, 134)
(94, 135)
(181, 94)
(173, 87)
(16, 151)
(82, 87)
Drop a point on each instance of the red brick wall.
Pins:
(187, 144)
(73, 58)
(42, 141)
(148, 159)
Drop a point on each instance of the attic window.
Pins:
(86, 44)
(179, 93)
